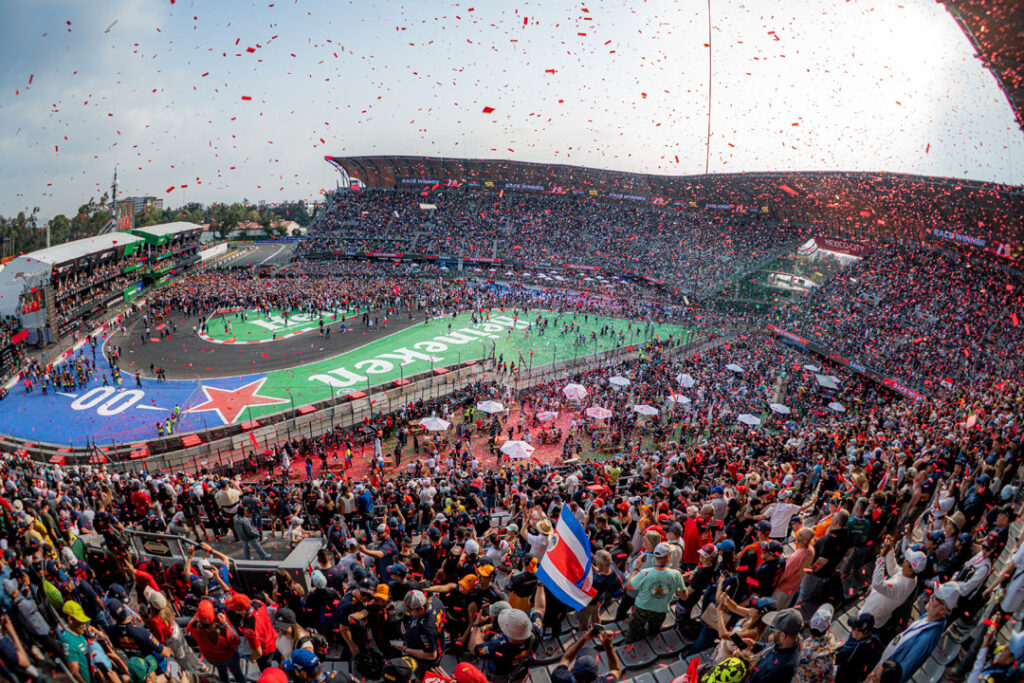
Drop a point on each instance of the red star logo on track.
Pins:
(230, 403)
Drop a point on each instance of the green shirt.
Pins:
(655, 588)
(76, 649)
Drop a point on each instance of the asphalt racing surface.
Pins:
(184, 355)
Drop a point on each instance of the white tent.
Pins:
(779, 408)
(490, 407)
(574, 392)
(748, 419)
(517, 450)
(547, 415)
(685, 379)
(734, 368)
(811, 368)
(645, 409)
(619, 381)
(435, 424)
(837, 406)
(598, 413)
(678, 398)
(827, 381)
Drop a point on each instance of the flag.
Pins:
(566, 568)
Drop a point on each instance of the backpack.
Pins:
(316, 639)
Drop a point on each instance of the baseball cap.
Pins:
(948, 593)
(765, 605)
(586, 669)
(726, 546)
(472, 547)
(239, 602)
(383, 592)
(708, 550)
(434, 533)
(75, 611)
(141, 667)
(662, 550)
(862, 622)
(284, 618)
(155, 598)
(317, 579)
(399, 669)
(515, 624)
(301, 660)
(116, 590)
(485, 570)
(764, 525)
(205, 612)
(497, 608)
(117, 610)
(273, 675)
(412, 600)
(469, 581)
(788, 621)
(10, 585)
(398, 569)
(917, 560)
(774, 547)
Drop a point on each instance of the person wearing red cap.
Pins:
(253, 622)
(273, 675)
(217, 640)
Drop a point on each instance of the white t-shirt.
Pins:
(779, 514)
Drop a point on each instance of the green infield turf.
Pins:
(263, 327)
(447, 341)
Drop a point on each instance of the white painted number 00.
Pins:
(107, 400)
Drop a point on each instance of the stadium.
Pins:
(490, 419)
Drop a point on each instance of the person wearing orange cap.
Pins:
(217, 640)
(460, 610)
(253, 623)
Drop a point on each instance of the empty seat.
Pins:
(636, 655)
(539, 674)
(668, 644)
(644, 678)
(549, 651)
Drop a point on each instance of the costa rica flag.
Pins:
(565, 569)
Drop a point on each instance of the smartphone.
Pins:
(738, 642)
(596, 629)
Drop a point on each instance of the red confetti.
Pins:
(30, 77)
(488, 110)
(169, 188)
(246, 98)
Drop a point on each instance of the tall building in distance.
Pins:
(140, 204)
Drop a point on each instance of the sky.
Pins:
(225, 101)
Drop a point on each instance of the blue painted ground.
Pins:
(105, 415)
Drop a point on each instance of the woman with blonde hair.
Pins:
(160, 620)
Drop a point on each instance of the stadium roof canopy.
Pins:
(881, 203)
(996, 29)
(69, 251)
(165, 229)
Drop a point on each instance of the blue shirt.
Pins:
(502, 657)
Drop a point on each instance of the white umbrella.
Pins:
(547, 416)
(619, 381)
(748, 419)
(598, 413)
(779, 408)
(812, 368)
(517, 450)
(435, 424)
(733, 367)
(645, 409)
(677, 398)
(574, 391)
(837, 406)
(685, 379)
(490, 407)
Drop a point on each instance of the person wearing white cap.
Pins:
(508, 655)
(892, 585)
(912, 648)
(818, 650)
(655, 586)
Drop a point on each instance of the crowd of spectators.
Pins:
(936, 315)
(691, 252)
